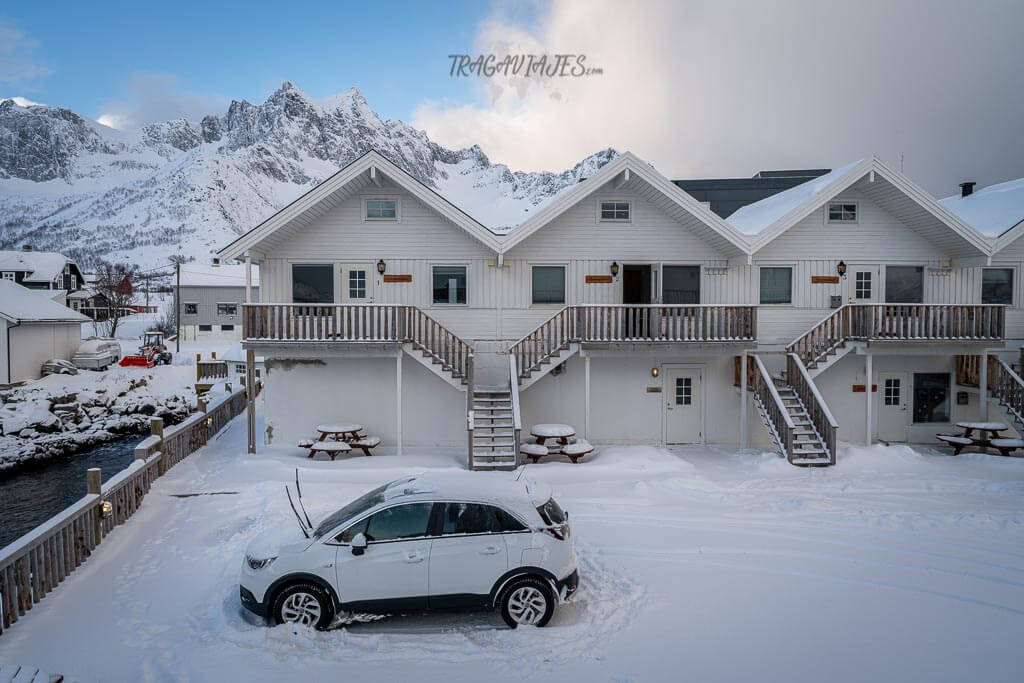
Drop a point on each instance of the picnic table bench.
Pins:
(989, 436)
(331, 448)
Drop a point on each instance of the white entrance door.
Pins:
(862, 284)
(684, 418)
(893, 398)
(357, 283)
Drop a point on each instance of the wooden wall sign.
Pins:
(398, 278)
(599, 279)
(859, 388)
(824, 279)
(653, 390)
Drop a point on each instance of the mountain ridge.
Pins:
(181, 187)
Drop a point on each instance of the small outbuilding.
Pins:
(34, 329)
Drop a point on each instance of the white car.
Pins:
(97, 353)
(466, 540)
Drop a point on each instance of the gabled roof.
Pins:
(22, 305)
(676, 202)
(996, 211)
(350, 179)
(769, 218)
(42, 266)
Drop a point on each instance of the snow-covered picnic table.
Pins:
(552, 431)
(342, 431)
(993, 439)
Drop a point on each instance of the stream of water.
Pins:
(33, 495)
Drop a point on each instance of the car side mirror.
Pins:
(359, 544)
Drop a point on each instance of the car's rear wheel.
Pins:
(303, 603)
(528, 601)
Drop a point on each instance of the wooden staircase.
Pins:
(808, 447)
(493, 437)
(1004, 385)
(439, 350)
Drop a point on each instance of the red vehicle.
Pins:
(152, 351)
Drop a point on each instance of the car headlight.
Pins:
(257, 564)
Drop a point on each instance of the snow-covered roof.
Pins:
(764, 221)
(20, 304)
(752, 219)
(233, 275)
(992, 210)
(43, 266)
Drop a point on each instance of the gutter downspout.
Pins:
(9, 328)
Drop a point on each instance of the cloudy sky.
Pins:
(700, 88)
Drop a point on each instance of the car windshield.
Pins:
(353, 509)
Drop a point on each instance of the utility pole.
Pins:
(177, 307)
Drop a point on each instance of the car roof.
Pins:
(501, 488)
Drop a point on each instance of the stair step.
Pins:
(492, 455)
(808, 451)
(505, 397)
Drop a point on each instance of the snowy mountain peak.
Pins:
(70, 184)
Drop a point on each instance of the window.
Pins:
(449, 284)
(997, 286)
(8, 275)
(777, 285)
(312, 284)
(240, 368)
(931, 397)
(684, 391)
(401, 521)
(904, 284)
(862, 284)
(381, 209)
(615, 211)
(891, 392)
(474, 518)
(357, 284)
(74, 281)
(191, 309)
(549, 284)
(227, 328)
(842, 212)
(206, 328)
(227, 309)
(681, 284)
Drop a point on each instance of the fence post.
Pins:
(94, 484)
(156, 428)
(199, 357)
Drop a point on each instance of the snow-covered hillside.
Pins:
(70, 184)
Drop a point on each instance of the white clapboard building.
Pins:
(853, 306)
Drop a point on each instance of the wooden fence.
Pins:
(38, 562)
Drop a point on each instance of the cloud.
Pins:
(23, 101)
(148, 97)
(19, 64)
(705, 88)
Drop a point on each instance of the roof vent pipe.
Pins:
(967, 189)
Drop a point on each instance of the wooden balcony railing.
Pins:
(817, 410)
(642, 323)
(900, 322)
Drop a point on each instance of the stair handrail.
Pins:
(528, 358)
(438, 340)
(802, 345)
(819, 412)
(517, 419)
(470, 426)
(1009, 388)
(764, 387)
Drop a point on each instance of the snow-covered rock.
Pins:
(71, 184)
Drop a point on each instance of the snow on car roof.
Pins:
(497, 487)
(991, 210)
(752, 219)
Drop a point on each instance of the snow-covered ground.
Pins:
(697, 564)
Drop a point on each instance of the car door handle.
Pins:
(490, 550)
(413, 557)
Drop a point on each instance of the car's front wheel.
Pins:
(528, 601)
(303, 603)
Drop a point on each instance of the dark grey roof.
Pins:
(727, 195)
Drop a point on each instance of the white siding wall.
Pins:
(32, 344)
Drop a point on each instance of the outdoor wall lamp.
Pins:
(381, 266)
(615, 268)
(655, 372)
(841, 269)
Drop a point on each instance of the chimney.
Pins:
(216, 261)
(26, 247)
(967, 188)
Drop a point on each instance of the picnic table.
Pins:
(989, 436)
(553, 431)
(343, 431)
